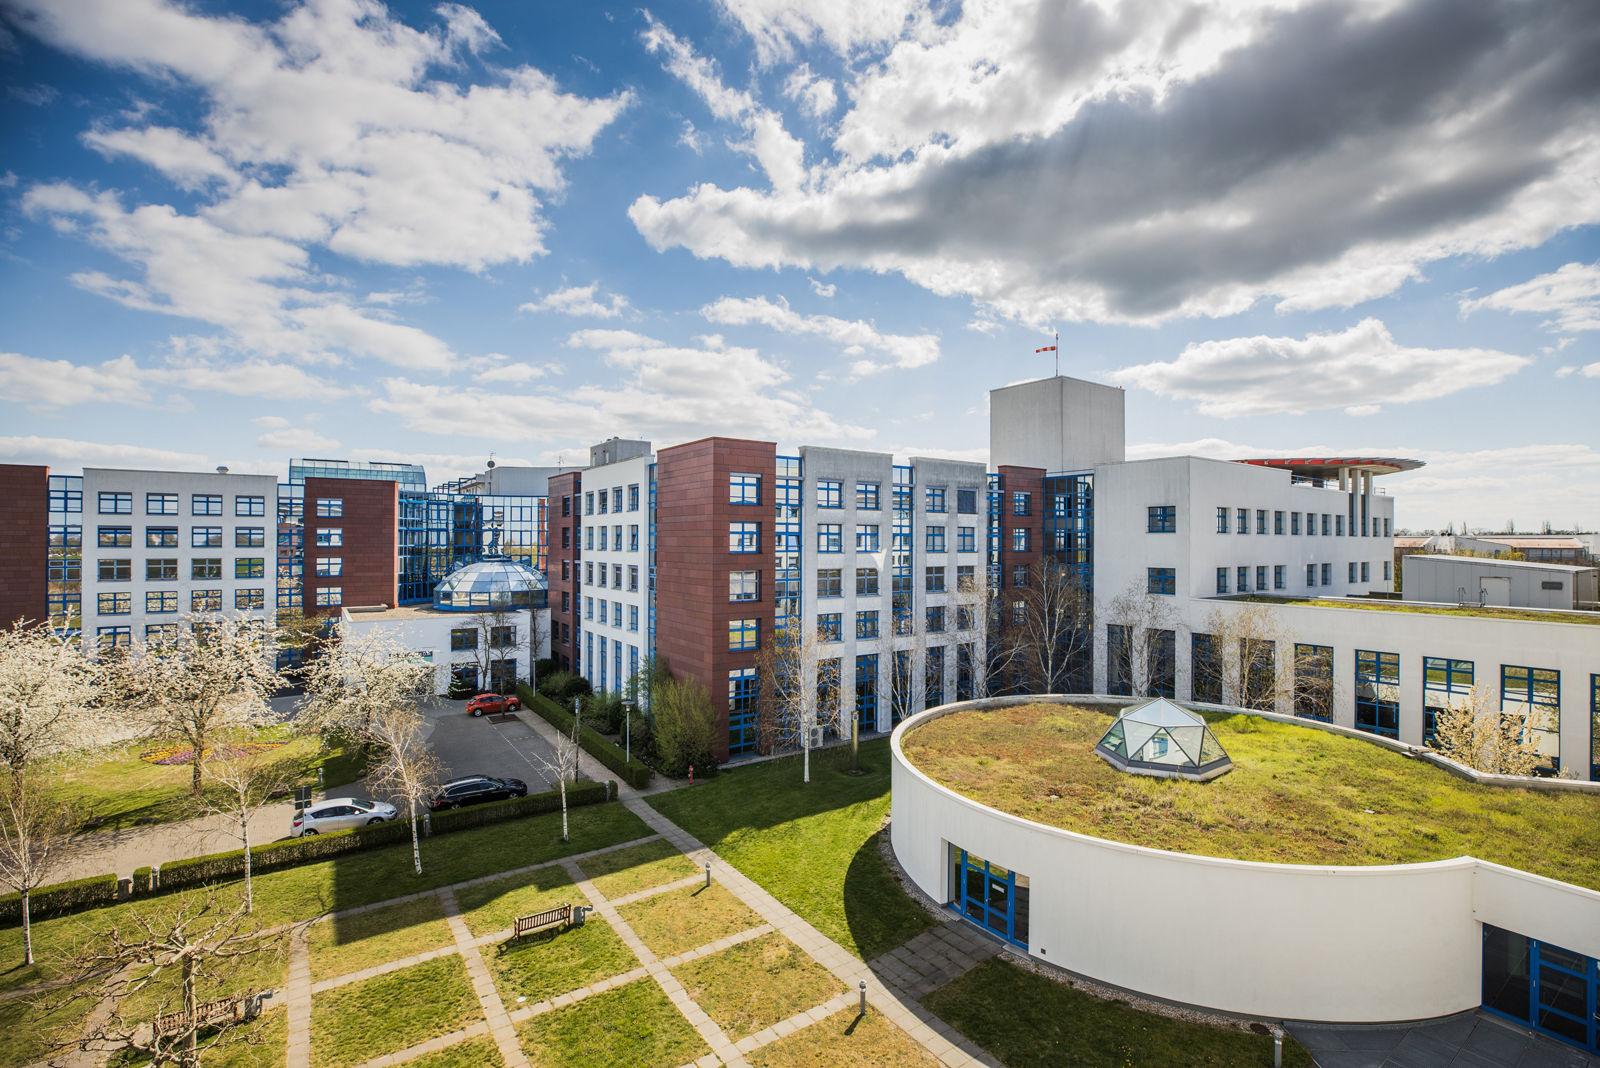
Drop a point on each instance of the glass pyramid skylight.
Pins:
(1159, 738)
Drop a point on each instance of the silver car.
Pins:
(341, 813)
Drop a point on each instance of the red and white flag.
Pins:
(1047, 348)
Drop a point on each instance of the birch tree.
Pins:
(564, 764)
(1245, 665)
(793, 697)
(243, 781)
(1144, 616)
(1049, 624)
(35, 832)
(408, 770)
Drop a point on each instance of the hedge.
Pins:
(634, 772)
(59, 899)
(217, 867)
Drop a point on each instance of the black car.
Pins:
(474, 790)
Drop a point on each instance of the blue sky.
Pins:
(236, 233)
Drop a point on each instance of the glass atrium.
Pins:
(1159, 738)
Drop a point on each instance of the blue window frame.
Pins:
(830, 493)
(1536, 694)
(1294, 523)
(1278, 580)
(1311, 574)
(1161, 580)
(742, 718)
(63, 497)
(1338, 526)
(830, 537)
(1243, 520)
(160, 504)
(742, 489)
(1446, 683)
(161, 602)
(744, 634)
(114, 637)
(966, 539)
(830, 627)
(1241, 580)
(934, 619)
(1313, 682)
(116, 503)
(866, 537)
(249, 537)
(248, 506)
(936, 498)
(867, 496)
(1261, 577)
(116, 538)
(205, 504)
(966, 502)
(1019, 539)
(744, 537)
(1222, 580)
(1327, 574)
(1542, 985)
(1162, 519)
(867, 691)
(329, 507)
(633, 497)
(115, 604)
(1378, 693)
(1352, 572)
(1261, 520)
(989, 895)
(867, 624)
(934, 539)
(1277, 522)
(1222, 520)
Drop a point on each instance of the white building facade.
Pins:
(614, 564)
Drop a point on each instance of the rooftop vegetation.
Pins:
(1530, 614)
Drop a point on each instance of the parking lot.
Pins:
(501, 746)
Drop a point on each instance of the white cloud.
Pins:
(826, 290)
(1570, 295)
(1269, 375)
(815, 94)
(296, 441)
(67, 454)
(59, 383)
(579, 300)
(855, 335)
(1363, 409)
(777, 26)
(517, 373)
(189, 163)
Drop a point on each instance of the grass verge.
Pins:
(473, 1053)
(554, 961)
(755, 984)
(680, 920)
(640, 867)
(844, 1038)
(809, 845)
(351, 1024)
(350, 943)
(1027, 1020)
(494, 905)
(633, 1025)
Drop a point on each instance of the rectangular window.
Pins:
(205, 504)
(830, 493)
(633, 617)
(1019, 539)
(1161, 663)
(248, 567)
(966, 578)
(330, 507)
(1327, 524)
(160, 633)
(1261, 520)
(115, 604)
(161, 570)
(1243, 517)
(616, 506)
(933, 578)
(866, 582)
(1162, 519)
(205, 567)
(114, 637)
(1378, 693)
(116, 537)
(463, 639)
(935, 539)
(1021, 503)
(116, 504)
(502, 637)
(588, 503)
(246, 600)
(830, 537)
(160, 504)
(936, 498)
(329, 596)
(966, 539)
(744, 537)
(1352, 571)
(63, 499)
(1278, 580)
(588, 572)
(633, 537)
(1311, 524)
(1277, 522)
(742, 488)
(867, 624)
(1205, 672)
(1338, 526)
(330, 536)
(601, 504)
(1261, 577)
(1446, 684)
(633, 577)
(207, 601)
(249, 538)
(866, 537)
(830, 583)
(830, 627)
(1119, 661)
(330, 567)
(1327, 574)
(1222, 520)
(588, 608)
(867, 496)
(1294, 523)
(935, 619)
(1242, 579)
(744, 634)
(964, 617)
(248, 506)
(1311, 574)
(1536, 694)
(160, 537)
(1161, 580)
(1313, 682)
(116, 570)
(161, 602)
(967, 502)
(1386, 570)
(205, 537)
(1222, 580)
(602, 545)
(1366, 571)
(1019, 576)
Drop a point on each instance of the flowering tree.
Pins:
(46, 685)
(35, 828)
(1480, 735)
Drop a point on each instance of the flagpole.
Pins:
(1058, 354)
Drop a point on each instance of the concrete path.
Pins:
(121, 852)
(1470, 1040)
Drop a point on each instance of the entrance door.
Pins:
(989, 895)
(1495, 591)
(1541, 985)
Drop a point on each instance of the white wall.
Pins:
(1059, 424)
(1445, 579)
(634, 471)
(427, 631)
(1299, 942)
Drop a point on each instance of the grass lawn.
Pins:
(475, 1053)
(627, 871)
(1295, 795)
(1027, 1020)
(554, 961)
(809, 845)
(119, 790)
(494, 905)
(355, 1023)
(843, 1038)
(633, 1025)
(757, 983)
(350, 943)
(680, 920)
(260, 1044)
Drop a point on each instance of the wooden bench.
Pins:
(529, 924)
(226, 1010)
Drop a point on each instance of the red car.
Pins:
(492, 704)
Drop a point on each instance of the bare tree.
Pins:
(1049, 627)
(1477, 733)
(46, 685)
(35, 831)
(1147, 619)
(796, 696)
(408, 770)
(214, 677)
(1244, 667)
(564, 764)
(150, 973)
(496, 637)
(244, 779)
(976, 603)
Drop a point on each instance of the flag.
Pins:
(1047, 348)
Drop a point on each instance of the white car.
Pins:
(341, 813)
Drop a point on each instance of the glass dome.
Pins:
(1159, 738)
(494, 582)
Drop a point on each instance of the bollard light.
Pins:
(863, 1011)
(708, 875)
(1277, 1047)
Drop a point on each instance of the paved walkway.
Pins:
(1470, 1040)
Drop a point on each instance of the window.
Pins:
(743, 690)
(1119, 665)
(830, 493)
(1327, 523)
(602, 545)
(160, 537)
(1242, 579)
(1261, 520)
(588, 503)
(463, 638)
(616, 506)
(115, 604)
(1278, 580)
(329, 596)
(161, 602)
(744, 634)
(1352, 571)
(830, 626)
(249, 599)
(965, 617)
(161, 570)
(1386, 570)
(1311, 524)
(588, 572)
(1161, 580)
(966, 539)
(616, 614)
(502, 637)
(601, 506)
(1205, 673)
(116, 537)
(1366, 571)
(967, 502)
(588, 608)
(1019, 576)
(330, 566)
(1338, 526)
(829, 583)
(115, 637)
(566, 601)
(933, 579)
(936, 498)
(205, 504)
(830, 537)
(330, 536)
(62, 499)
(160, 504)
(116, 504)
(248, 567)
(744, 537)
(633, 617)
(116, 570)
(1222, 520)
(1378, 693)
(867, 496)
(205, 537)
(935, 619)
(160, 633)
(205, 567)
(1277, 522)
(1019, 539)
(633, 577)
(1243, 524)
(249, 538)
(1021, 503)
(1446, 684)
(1313, 682)
(1161, 663)
(866, 582)
(330, 507)
(205, 601)
(633, 537)
(1162, 519)
(633, 497)
(742, 489)
(1222, 580)
(935, 539)
(1294, 522)
(1261, 577)
(249, 506)
(867, 624)
(1311, 574)
(1536, 694)
(866, 537)
(1327, 574)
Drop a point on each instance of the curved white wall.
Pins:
(1282, 941)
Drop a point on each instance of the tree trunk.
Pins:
(416, 847)
(194, 765)
(27, 931)
(190, 1057)
(855, 742)
(249, 891)
(563, 808)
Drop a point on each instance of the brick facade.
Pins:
(25, 538)
(371, 542)
(1029, 480)
(565, 512)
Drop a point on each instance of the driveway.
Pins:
(501, 746)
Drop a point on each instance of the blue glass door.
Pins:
(989, 895)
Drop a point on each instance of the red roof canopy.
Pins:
(1329, 467)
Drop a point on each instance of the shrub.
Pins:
(634, 772)
(59, 899)
(563, 686)
(685, 727)
(603, 712)
(460, 689)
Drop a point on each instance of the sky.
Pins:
(236, 233)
